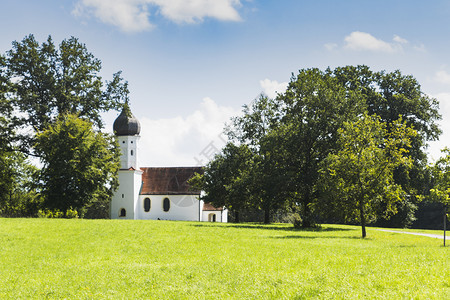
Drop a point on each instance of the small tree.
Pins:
(357, 179)
(441, 190)
(80, 165)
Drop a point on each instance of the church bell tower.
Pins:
(124, 201)
(127, 129)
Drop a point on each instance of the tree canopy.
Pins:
(51, 100)
(45, 81)
(357, 179)
(291, 135)
(441, 175)
(80, 165)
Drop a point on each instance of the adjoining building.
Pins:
(148, 193)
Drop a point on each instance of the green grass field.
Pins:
(118, 259)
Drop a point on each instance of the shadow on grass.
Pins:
(273, 227)
(301, 237)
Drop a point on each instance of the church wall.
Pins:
(220, 216)
(124, 197)
(182, 208)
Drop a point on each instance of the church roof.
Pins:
(208, 207)
(126, 123)
(168, 181)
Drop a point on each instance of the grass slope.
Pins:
(113, 259)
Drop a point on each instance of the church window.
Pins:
(132, 142)
(123, 142)
(131, 152)
(166, 204)
(123, 196)
(123, 212)
(147, 204)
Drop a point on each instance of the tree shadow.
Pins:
(300, 237)
(273, 227)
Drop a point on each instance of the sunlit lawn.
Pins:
(84, 259)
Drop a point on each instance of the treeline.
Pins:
(344, 145)
(54, 159)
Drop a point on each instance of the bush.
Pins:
(57, 214)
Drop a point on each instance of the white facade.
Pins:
(123, 204)
(128, 148)
(215, 216)
(181, 207)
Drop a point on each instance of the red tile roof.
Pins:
(168, 181)
(209, 207)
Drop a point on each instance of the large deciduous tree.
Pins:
(42, 88)
(392, 95)
(357, 180)
(80, 164)
(292, 134)
(312, 109)
(46, 81)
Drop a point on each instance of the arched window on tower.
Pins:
(131, 152)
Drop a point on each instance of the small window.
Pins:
(147, 204)
(166, 204)
(131, 152)
(132, 142)
(123, 196)
(123, 142)
(123, 212)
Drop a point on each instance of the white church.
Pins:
(148, 193)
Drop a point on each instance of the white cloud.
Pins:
(127, 15)
(182, 141)
(133, 15)
(444, 141)
(400, 40)
(360, 41)
(195, 10)
(331, 46)
(272, 87)
(442, 77)
(420, 48)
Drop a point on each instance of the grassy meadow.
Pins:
(118, 259)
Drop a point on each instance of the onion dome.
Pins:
(126, 123)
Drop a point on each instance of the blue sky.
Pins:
(191, 65)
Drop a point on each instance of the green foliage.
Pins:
(392, 95)
(46, 81)
(17, 186)
(441, 175)
(226, 179)
(313, 108)
(42, 88)
(358, 178)
(291, 135)
(57, 214)
(113, 259)
(80, 164)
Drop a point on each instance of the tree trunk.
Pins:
(236, 217)
(362, 218)
(307, 217)
(266, 216)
